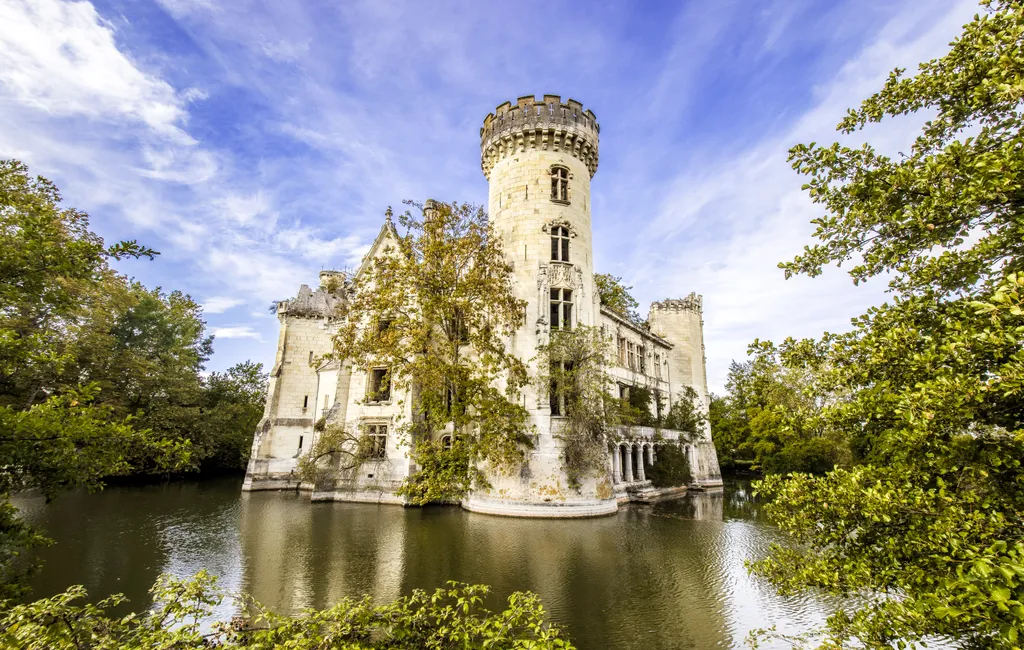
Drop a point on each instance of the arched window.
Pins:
(559, 244)
(560, 184)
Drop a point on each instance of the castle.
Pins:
(539, 158)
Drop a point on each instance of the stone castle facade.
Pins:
(539, 158)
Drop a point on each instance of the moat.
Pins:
(669, 575)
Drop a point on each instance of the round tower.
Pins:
(539, 157)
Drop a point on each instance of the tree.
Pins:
(233, 406)
(615, 296)
(54, 435)
(449, 617)
(927, 522)
(435, 310)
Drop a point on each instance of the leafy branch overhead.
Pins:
(924, 521)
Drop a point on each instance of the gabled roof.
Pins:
(387, 232)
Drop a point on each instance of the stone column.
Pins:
(616, 466)
(629, 466)
(640, 464)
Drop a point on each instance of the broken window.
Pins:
(559, 244)
(622, 351)
(631, 355)
(642, 356)
(561, 309)
(559, 184)
(447, 441)
(383, 325)
(379, 389)
(657, 365)
(378, 435)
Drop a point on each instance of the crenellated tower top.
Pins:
(692, 302)
(533, 124)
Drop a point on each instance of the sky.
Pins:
(255, 142)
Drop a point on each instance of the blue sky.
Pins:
(255, 142)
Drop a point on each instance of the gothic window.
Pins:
(378, 435)
(447, 441)
(631, 354)
(559, 244)
(561, 309)
(642, 355)
(657, 365)
(560, 184)
(379, 387)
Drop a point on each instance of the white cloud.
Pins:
(235, 332)
(60, 57)
(220, 304)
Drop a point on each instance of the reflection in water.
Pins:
(669, 575)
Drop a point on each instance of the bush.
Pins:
(449, 617)
(671, 468)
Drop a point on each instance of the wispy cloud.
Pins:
(220, 304)
(235, 332)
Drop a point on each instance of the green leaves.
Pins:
(449, 617)
(926, 525)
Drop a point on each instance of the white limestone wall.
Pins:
(296, 396)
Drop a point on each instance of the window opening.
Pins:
(561, 396)
(559, 244)
(380, 385)
(560, 184)
(642, 355)
(378, 434)
(300, 442)
(561, 309)
(305, 401)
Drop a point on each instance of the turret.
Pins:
(680, 321)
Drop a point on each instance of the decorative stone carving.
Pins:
(564, 223)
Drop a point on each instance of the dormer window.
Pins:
(559, 244)
(560, 184)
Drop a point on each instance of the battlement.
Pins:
(533, 124)
(692, 302)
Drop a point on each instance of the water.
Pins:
(664, 576)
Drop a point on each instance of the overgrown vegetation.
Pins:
(435, 311)
(925, 525)
(182, 618)
(99, 376)
(672, 467)
(573, 375)
(616, 296)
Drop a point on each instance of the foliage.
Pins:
(572, 371)
(926, 525)
(99, 376)
(672, 467)
(686, 415)
(772, 415)
(614, 295)
(445, 473)
(449, 617)
(435, 310)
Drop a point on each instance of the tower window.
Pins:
(561, 309)
(559, 244)
(560, 184)
(562, 396)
